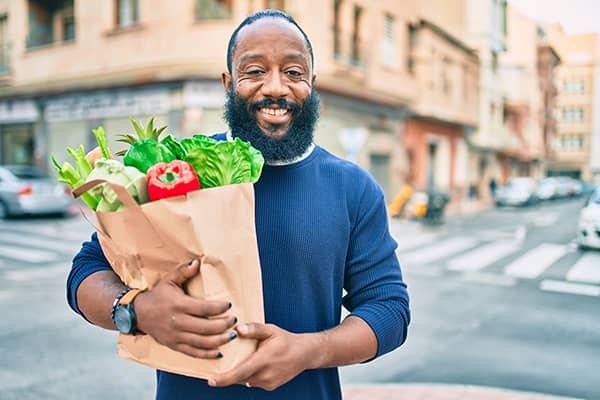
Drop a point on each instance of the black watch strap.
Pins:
(116, 302)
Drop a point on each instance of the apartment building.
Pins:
(523, 106)
(481, 24)
(577, 106)
(446, 105)
(67, 66)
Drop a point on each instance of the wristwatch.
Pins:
(123, 314)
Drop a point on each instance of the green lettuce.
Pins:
(219, 163)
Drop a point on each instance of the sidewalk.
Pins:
(437, 392)
(468, 206)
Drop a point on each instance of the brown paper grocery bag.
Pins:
(216, 226)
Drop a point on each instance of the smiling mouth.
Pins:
(274, 111)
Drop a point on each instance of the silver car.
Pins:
(27, 190)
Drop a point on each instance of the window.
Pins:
(49, 22)
(574, 86)
(3, 44)
(336, 28)
(494, 62)
(127, 13)
(388, 49)
(576, 114)
(356, 35)
(412, 42)
(465, 82)
(214, 9)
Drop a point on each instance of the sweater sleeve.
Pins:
(89, 260)
(373, 281)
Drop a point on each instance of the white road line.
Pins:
(483, 256)
(586, 269)
(437, 251)
(490, 279)
(32, 274)
(549, 285)
(534, 262)
(28, 255)
(410, 242)
(58, 244)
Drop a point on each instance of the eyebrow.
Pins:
(258, 56)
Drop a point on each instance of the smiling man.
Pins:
(321, 227)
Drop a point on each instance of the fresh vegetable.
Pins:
(174, 146)
(173, 179)
(223, 163)
(145, 150)
(69, 175)
(129, 177)
(100, 151)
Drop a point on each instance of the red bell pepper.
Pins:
(173, 179)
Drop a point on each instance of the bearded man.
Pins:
(321, 227)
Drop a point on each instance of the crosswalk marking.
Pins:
(587, 269)
(45, 243)
(437, 251)
(410, 242)
(550, 285)
(27, 254)
(534, 262)
(483, 256)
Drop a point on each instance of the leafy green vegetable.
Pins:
(82, 164)
(102, 142)
(174, 146)
(129, 177)
(69, 175)
(220, 163)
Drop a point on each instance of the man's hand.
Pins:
(280, 357)
(182, 322)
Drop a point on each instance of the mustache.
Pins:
(283, 103)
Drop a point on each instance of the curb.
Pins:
(438, 392)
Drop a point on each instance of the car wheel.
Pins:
(4, 214)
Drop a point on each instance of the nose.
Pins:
(275, 85)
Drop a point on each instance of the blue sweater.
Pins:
(321, 227)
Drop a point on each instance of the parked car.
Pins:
(568, 187)
(519, 191)
(547, 189)
(588, 234)
(28, 190)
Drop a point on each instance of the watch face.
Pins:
(123, 319)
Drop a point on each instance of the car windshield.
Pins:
(26, 172)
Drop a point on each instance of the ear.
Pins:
(226, 79)
(314, 79)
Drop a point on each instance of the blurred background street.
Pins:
(502, 298)
(480, 120)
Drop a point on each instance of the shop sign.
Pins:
(108, 104)
(18, 111)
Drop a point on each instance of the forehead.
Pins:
(270, 35)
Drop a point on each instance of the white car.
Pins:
(588, 234)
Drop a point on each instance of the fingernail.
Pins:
(229, 306)
(233, 335)
(243, 329)
(219, 355)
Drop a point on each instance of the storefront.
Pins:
(17, 132)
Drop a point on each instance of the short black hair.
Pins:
(260, 15)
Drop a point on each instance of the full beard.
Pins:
(241, 118)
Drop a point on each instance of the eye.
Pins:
(255, 72)
(294, 73)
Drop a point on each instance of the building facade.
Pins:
(577, 105)
(67, 66)
(446, 105)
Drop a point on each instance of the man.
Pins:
(321, 228)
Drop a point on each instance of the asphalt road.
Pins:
(500, 299)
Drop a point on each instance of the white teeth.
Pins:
(276, 111)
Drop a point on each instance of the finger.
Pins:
(210, 342)
(239, 374)
(202, 308)
(185, 272)
(202, 326)
(256, 331)
(198, 353)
